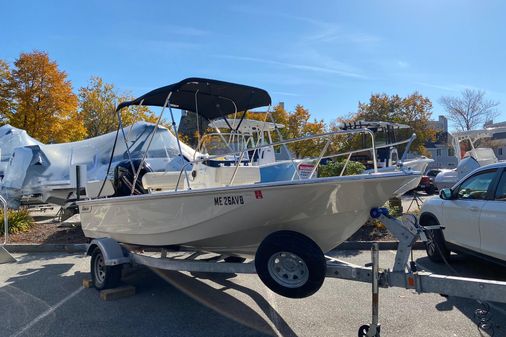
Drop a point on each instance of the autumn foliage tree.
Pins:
(296, 124)
(414, 110)
(97, 106)
(40, 100)
(299, 125)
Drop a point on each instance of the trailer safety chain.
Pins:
(484, 318)
(482, 314)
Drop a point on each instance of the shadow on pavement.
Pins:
(226, 304)
(48, 300)
(493, 314)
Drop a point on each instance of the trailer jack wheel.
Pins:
(364, 330)
(290, 264)
(103, 276)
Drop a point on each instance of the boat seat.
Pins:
(244, 175)
(160, 181)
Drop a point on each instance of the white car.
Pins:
(472, 214)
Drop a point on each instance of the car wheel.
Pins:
(430, 190)
(435, 246)
(290, 264)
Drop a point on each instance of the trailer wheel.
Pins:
(364, 329)
(103, 277)
(290, 264)
(435, 246)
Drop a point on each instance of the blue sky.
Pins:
(325, 55)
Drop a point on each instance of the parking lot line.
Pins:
(47, 312)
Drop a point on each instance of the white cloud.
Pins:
(307, 67)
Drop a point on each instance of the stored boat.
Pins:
(48, 171)
(387, 150)
(475, 157)
(253, 139)
(287, 225)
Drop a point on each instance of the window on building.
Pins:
(438, 152)
(499, 151)
(451, 152)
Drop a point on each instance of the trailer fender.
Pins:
(111, 250)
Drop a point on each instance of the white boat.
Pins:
(470, 160)
(286, 225)
(235, 219)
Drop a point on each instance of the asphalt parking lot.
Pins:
(42, 295)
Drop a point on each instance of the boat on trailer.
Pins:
(286, 225)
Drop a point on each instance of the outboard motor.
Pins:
(124, 177)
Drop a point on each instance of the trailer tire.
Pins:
(435, 246)
(102, 276)
(290, 264)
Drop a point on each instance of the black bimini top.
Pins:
(209, 98)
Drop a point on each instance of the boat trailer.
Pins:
(404, 274)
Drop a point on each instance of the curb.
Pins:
(81, 247)
(46, 248)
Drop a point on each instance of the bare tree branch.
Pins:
(471, 110)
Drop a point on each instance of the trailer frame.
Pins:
(404, 274)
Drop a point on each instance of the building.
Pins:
(498, 142)
(441, 150)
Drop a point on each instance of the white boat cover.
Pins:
(11, 138)
(44, 168)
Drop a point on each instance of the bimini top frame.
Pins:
(215, 98)
(208, 98)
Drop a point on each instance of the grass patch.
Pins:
(19, 221)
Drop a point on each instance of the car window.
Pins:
(476, 187)
(500, 193)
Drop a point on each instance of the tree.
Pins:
(43, 103)
(300, 126)
(471, 110)
(97, 106)
(6, 99)
(414, 110)
(97, 103)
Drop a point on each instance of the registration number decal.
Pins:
(229, 200)
(85, 209)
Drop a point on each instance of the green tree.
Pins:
(6, 99)
(414, 110)
(43, 103)
(334, 168)
(97, 106)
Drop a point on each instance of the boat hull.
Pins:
(236, 219)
